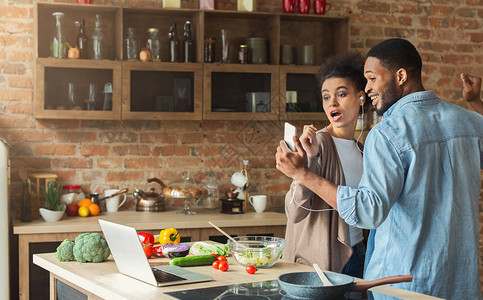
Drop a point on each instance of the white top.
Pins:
(351, 160)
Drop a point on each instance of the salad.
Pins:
(257, 257)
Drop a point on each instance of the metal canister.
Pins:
(95, 199)
(243, 54)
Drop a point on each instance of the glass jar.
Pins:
(131, 44)
(58, 46)
(212, 200)
(71, 193)
(154, 44)
(210, 50)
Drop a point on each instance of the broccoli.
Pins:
(65, 251)
(91, 247)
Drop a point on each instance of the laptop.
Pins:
(130, 259)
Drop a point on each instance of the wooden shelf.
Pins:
(330, 35)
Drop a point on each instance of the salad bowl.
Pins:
(258, 251)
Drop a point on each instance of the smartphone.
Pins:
(289, 132)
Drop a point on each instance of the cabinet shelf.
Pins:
(240, 92)
(187, 91)
(162, 91)
(110, 19)
(52, 89)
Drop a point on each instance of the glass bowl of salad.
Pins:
(258, 251)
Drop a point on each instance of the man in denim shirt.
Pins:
(421, 181)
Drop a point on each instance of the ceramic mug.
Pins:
(289, 6)
(321, 7)
(112, 204)
(259, 202)
(239, 179)
(304, 6)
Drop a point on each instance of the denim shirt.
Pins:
(419, 192)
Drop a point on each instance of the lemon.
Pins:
(83, 211)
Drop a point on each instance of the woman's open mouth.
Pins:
(335, 115)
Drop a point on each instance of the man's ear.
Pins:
(401, 76)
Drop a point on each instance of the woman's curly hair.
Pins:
(347, 65)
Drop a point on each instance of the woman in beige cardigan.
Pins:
(315, 233)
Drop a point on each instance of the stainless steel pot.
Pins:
(150, 201)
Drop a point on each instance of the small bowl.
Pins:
(51, 215)
(258, 251)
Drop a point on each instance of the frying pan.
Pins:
(308, 284)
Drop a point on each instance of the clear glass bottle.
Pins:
(173, 43)
(58, 46)
(154, 44)
(131, 45)
(188, 43)
(97, 40)
(82, 40)
(212, 201)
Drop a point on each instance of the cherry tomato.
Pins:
(214, 255)
(221, 258)
(251, 269)
(223, 265)
(148, 250)
(216, 265)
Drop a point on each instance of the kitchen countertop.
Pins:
(151, 221)
(104, 280)
(192, 227)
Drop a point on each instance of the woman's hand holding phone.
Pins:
(309, 141)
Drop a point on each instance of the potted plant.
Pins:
(52, 210)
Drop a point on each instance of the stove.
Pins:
(266, 290)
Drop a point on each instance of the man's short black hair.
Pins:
(395, 54)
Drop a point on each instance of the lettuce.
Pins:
(207, 248)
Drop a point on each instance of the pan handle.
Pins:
(365, 285)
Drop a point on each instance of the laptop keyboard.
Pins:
(162, 276)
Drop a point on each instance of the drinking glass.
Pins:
(91, 101)
(71, 95)
(225, 46)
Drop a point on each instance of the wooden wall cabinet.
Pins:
(185, 91)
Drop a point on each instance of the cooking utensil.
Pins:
(225, 234)
(124, 190)
(150, 201)
(322, 276)
(308, 284)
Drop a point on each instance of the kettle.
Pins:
(150, 201)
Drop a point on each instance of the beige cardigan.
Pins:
(317, 237)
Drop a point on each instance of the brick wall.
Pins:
(447, 33)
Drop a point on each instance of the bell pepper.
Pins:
(169, 235)
(146, 238)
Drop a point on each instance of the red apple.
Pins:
(71, 210)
